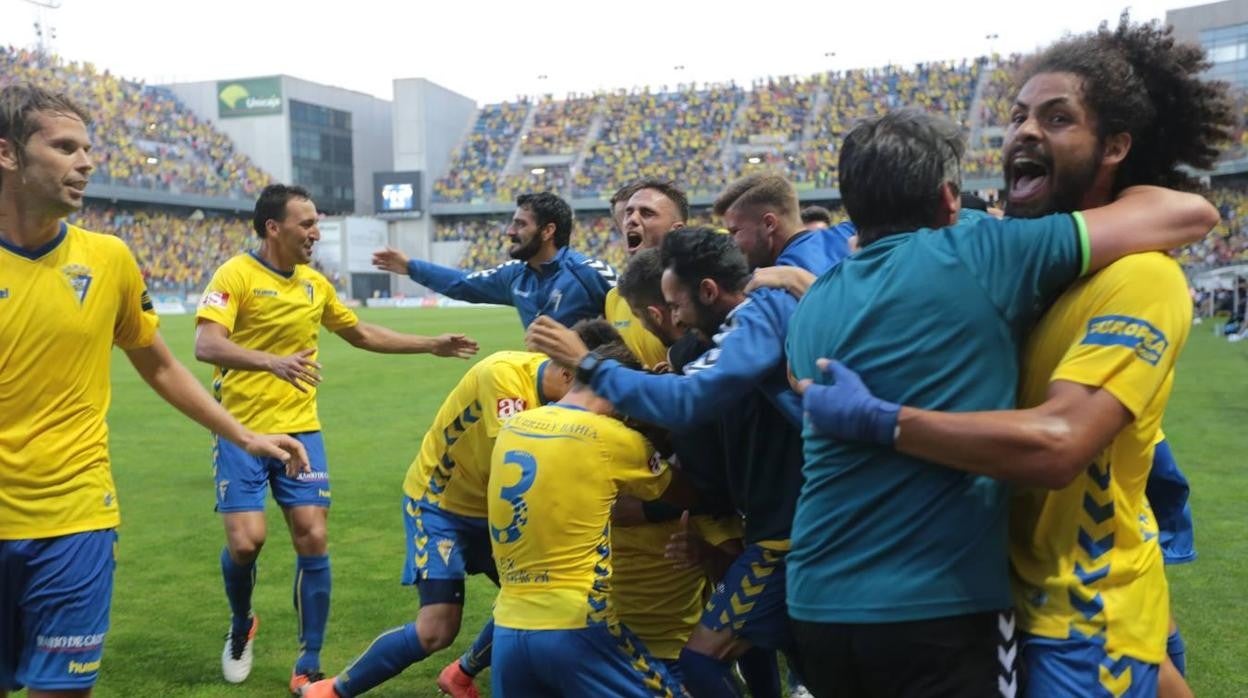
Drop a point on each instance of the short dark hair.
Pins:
(595, 332)
(702, 252)
(811, 214)
(618, 351)
(19, 103)
(271, 206)
(759, 189)
(892, 168)
(1138, 80)
(667, 188)
(641, 283)
(548, 207)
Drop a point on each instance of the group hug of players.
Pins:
(932, 467)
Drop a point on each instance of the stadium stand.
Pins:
(699, 136)
(144, 137)
(176, 252)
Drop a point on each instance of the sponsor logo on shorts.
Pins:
(84, 667)
(222, 488)
(509, 406)
(312, 477)
(445, 546)
(323, 494)
(1148, 342)
(69, 643)
(214, 299)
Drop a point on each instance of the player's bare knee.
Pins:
(244, 549)
(311, 539)
(438, 626)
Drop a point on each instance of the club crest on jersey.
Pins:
(4, 293)
(79, 278)
(509, 406)
(307, 286)
(445, 546)
(1148, 342)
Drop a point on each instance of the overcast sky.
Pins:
(492, 50)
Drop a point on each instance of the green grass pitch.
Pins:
(169, 610)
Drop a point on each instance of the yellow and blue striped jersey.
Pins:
(275, 312)
(1085, 559)
(453, 466)
(554, 476)
(62, 308)
(644, 345)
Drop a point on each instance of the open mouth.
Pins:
(633, 241)
(1029, 178)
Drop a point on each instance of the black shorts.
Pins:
(961, 656)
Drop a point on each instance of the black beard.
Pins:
(527, 250)
(1066, 198)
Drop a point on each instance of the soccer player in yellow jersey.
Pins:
(644, 212)
(1095, 114)
(555, 474)
(66, 297)
(444, 509)
(258, 322)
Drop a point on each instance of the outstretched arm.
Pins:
(384, 340)
(485, 286)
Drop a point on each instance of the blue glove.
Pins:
(846, 410)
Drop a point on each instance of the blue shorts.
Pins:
(1167, 493)
(442, 547)
(242, 478)
(1080, 667)
(55, 595)
(750, 600)
(599, 660)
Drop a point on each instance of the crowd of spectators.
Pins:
(143, 136)
(945, 87)
(703, 136)
(776, 109)
(1228, 243)
(176, 252)
(475, 167)
(677, 135)
(559, 127)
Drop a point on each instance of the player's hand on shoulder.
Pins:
(390, 260)
(298, 369)
(548, 336)
(454, 345)
(283, 447)
(795, 280)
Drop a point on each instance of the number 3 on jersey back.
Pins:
(513, 495)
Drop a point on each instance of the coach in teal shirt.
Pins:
(898, 573)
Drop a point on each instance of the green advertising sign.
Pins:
(253, 97)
